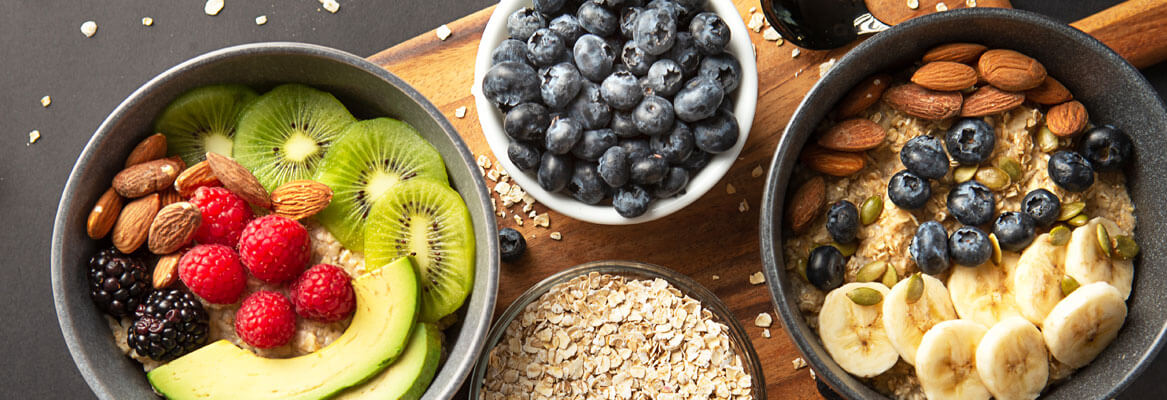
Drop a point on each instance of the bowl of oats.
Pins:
(614, 328)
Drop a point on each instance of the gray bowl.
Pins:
(366, 89)
(1113, 91)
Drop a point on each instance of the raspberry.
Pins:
(323, 293)
(275, 249)
(224, 216)
(265, 320)
(213, 272)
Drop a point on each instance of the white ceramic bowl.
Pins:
(744, 101)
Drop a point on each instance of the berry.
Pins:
(637, 148)
(653, 116)
(1070, 171)
(929, 248)
(655, 31)
(649, 170)
(1042, 205)
(567, 26)
(628, 21)
(596, 19)
(637, 61)
(1106, 147)
(559, 84)
(593, 56)
(972, 203)
(523, 155)
(843, 221)
(623, 124)
(554, 172)
(613, 167)
(698, 99)
(508, 84)
(621, 90)
(594, 143)
(523, 23)
(664, 78)
(716, 134)
(586, 185)
(685, 53)
(696, 161)
(528, 121)
(117, 282)
(969, 246)
(511, 244)
(710, 33)
(545, 47)
(825, 267)
(213, 272)
(169, 324)
(562, 135)
(1014, 230)
(223, 216)
(548, 7)
(323, 293)
(265, 320)
(674, 146)
(970, 141)
(631, 200)
(509, 50)
(274, 248)
(673, 184)
(723, 69)
(908, 190)
(589, 107)
(924, 155)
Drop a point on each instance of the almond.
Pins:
(1067, 119)
(133, 225)
(989, 100)
(856, 134)
(300, 199)
(173, 227)
(150, 149)
(945, 76)
(863, 95)
(196, 176)
(238, 180)
(918, 101)
(1049, 92)
(168, 197)
(1010, 70)
(806, 203)
(145, 178)
(834, 163)
(166, 270)
(104, 215)
(964, 53)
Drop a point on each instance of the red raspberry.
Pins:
(324, 293)
(224, 216)
(213, 272)
(265, 320)
(275, 249)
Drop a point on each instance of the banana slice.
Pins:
(1086, 262)
(1012, 361)
(1037, 286)
(982, 293)
(854, 335)
(946, 363)
(906, 322)
(1084, 323)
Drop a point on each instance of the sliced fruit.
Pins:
(409, 376)
(387, 299)
(1088, 263)
(982, 294)
(1083, 324)
(853, 334)
(946, 363)
(429, 221)
(369, 159)
(906, 322)
(1037, 279)
(203, 120)
(285, 133)
(1012, 361)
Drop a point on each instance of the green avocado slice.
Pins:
(388, 299)
(410, 375)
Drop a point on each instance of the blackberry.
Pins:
(117, 282)
(170, 323)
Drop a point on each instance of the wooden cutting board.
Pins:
(714, 241)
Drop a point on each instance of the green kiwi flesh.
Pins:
(203, 120)
(370, 158)
(284, 134)
(429, 221)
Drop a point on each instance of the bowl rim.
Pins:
(745, 101)
(770, 219)
(453, 371)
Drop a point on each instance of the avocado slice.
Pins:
(410, 375)
(388, 299)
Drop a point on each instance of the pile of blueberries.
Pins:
(620, 98)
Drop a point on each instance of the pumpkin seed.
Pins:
(1103, 239)
(1078, 220)
(872, 208)
(915, 288)
(848, 249)
(1071, 210)
(1047, 141)
(1059, 235)
(871, 272)
(964, 174)
(1125, 247)
(800, 267)
(1011, 166)
(890, 277)
(865, 296)
(993, 177)
(1069, 285)
(996, 249)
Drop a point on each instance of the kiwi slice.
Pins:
(285, 133)
(427, 220)
(203, 120)
(369, 159)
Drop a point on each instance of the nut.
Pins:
(150, 149)
(945, 76)
(915, 288)
(145, 178)
(871, 272)
(1059, 235)
(196, 176)
(1069, 285)
(104, 215)
(1049, 92)
(166, 270)
(863, 95)
(856, 134)
(917, 101)
(1010, 70)
(1067, 119)
(865, 296)
(989, 100)
(300, 199)
(871, 209)
(168, 197)
(1071, 210)
(133, 225)
(834, 163)
(806, 203)
(174, 227)
(239, 180)
(965, 53)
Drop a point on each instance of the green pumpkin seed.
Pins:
(1069, 285)
(915, 288)
(1125, 247)
(1103, 239)
(1059, 235)
(865, 296)
(871, 272)
(996, 249)
(872, 208)
(1047, 141)
(1079, 220)
(964, 174)
(848, 249)
(1071, 210)
(1011, 166)
(890, 277)
(800, 267)
(993, 177)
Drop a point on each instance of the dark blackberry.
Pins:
(117, 282)
(169, 323)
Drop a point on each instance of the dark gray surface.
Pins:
(43, 52)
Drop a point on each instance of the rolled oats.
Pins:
(729, 189)
(213, 7)
(460, 112)
(556, 236)
(443, 33)
(147, 21)
(763, 320)
(45, 101)
(88, 28)
(260, 20)
(34, 136)
(757, 278)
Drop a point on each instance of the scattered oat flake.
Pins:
(771, 34)
(743, 206)
(88, 28)
(492, 175)
(483, 161)
(913, 4)
(34, 136)
(812, 376)
(502, 188)
(779, 42)
(715, 277)
(940, 7)
(757, 278)
(518, 220)
(970, 3)
(766, 333)
(502, 213)
(752, 10)
(531, 214)
(331, 5)
(794, 53)
(528, 208)
(763, 320)
(758, 171)
(45, 101)
(260, 20)
(213, 7)
(527, 199)
(460, 112)
(799, 363)
(826, 67)
(556, 236)
(729, 189)
(542, 220)
(443, 32)
(147, 21)
(757, 21)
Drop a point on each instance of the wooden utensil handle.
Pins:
(1135, 29)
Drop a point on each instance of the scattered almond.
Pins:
(173, 227)
(238, 180)
(863, 95)
(104, 215)
(133, 225)
(990, 100)
(196, 176)
(918, 101)
(806, 203)
(757, 278)
(300, 199)
(1010, 70)
(166, 270)
(945, 76)
(145, 178)
(1049, 92)
(856, 134)
(964, 53)
(150, 149)
(830, 162)
(1067, 119)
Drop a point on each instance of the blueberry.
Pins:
(825, 268)
(664, 78)
(908, 190)
(924, 155)
(674, 146)
(593, 144)
(722, 68)
(596, 19)
(656, 30)
(696, 161)
(523, 23)
(589, 107)
(545, 47)
(548, 7)
(559, 84)
(509, 50)
(1106, 147)
(637, 61)
(621, 91)
(631, 201)
(653, 116)
(710, 33)
(609, 4)
(554, 172)
(562, 135)
(524, 155)
(971, 203)
(649, 170)
(685, 53)
(1014, 230)
(675, 9)
(613, 167)
(628, 21)
(673, 184)
(508, 84)
(586, 185)
(636, 148)
(843, 221)
(623, 124)
(528, 121)
(970, 141)
(716, 134)
(511, 244)
(969, 246)
(1042, 205)
(929, 248)
(593, 57)
(698, 99)
(1071, 171)
(567, 26)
